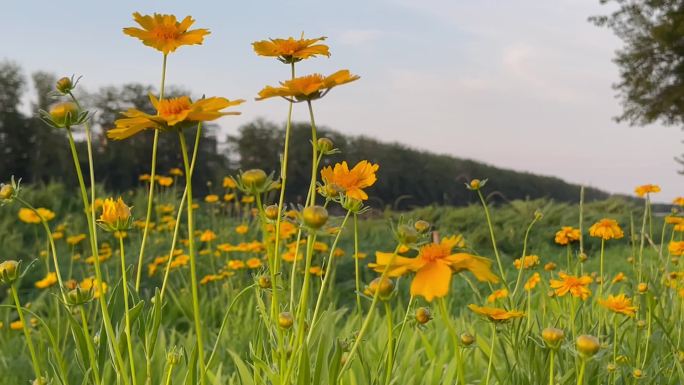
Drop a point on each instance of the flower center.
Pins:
(164, 32)
(433, 252)
(174, 106)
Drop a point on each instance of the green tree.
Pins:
(651, 62)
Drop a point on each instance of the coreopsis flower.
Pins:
(532, 281)
(254, 263)
(291, 50)
(643, 190)
(171, 113)
(676, 248)
(9, 271)
(619, 304)
(351, 182)
(606, 229)
(679, 201)
(236, 264)
(37, 216)
(211, 198)
(165, 181)
(553, 337)
(88, 284)
(576, 286)
(434, 266)
(49, 280)
(619, 277)
(116, 215)
(495, 314)
(587, 345)
(242, 229)
(497, 294)
(550, 266)
(176, 172)
(307, 88)
(527, 262)
(75, 239)
(164, 33)
(566, 235)
(207, 236)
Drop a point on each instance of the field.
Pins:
(158, 285)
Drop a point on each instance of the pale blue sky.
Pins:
(520, 84)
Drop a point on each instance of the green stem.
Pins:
(502, 272)
(551, 367)
(91, 349)
(491, 355)
(522, 258)
(150, 196)
(454, 340)
(403, 324)
(390, 343)
(580, 376)
(193, 262)
(357, 270)
(314, 162)
(27, 333)
(127, 317)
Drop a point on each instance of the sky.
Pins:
(524, 84)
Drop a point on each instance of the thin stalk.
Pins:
(502, 272)
(150, 196)
(314, 162)
(551, 382)
(454, 340)
(491, 355)
(357, 270)
(580, 376)
(91, 349)
(390, 343)
(524, 252)
(127, 317)
(403, 324)
(193, 262)
(27, 333)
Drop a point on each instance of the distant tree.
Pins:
(651, 62)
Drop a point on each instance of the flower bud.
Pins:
(641, 324)
(467, 339)
(422, 226)
(79, 296)
(315, 216)
(254, 179)
(325, 145)
(39, 381)
(264, 282)
(407, 234)
(116, 216)
(642, 287)
(611, 367)
(173, 357)
(6, 191)
(637, 373)
(285, 320)
(383, 286)
(475, 184)
(271, 212)
(583, 257)
(553, 337)
(423, 315)
(587, 345)
(64, 85)
(9, 272)
(64, 114)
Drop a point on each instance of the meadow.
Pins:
(158, 285)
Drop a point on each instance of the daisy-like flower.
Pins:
(532, 281)
(75, 239)
(351, 182)
(676, 248)
(307, 88)
(606, 229)
(207, 236)
(497, 294)
(116, 216)
(566, 235)
(49, 280)
(679, 201)
(172, 112)
(576, 286)
(434, 266)
(165, 181)
(291, 50)
(527, 262)
(495, 314)
(646, 189)
(619, 304)
(30, 216)
(164, 33)
(211, 198)
(619, 277)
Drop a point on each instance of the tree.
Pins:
(651, 86)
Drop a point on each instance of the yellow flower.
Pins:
(676, 248)
(434, 266)
(212, 198)
(228, 197)
(75, 239)
(30, 216)
(567, 234)
(576, 286)
(532, 281)
(316, 270)
(49, 280)
(679, 201)
(254, 263)
(606, 229)
(495, 314)
(528, 261)
(165, 181)
(619, 277)
(351, 182)
(308, 87)
(144, 177)
(171, 113)
(247, 199)
(550, 266)
(242, 229)
(291, 50)
(207, 236)
(236, 264)
(116, 216)
(176, 171)
(164, 33)
(643, 190)
(619, 304)
(497, 294)
(91, 284)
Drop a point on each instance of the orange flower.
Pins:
(49, 280)
(254, 263)
(165, 181)
(532, 281)
(646, 189)
(679, 201)
(351, 182)
(606, 229)
(619, 277)
(497, 294)
(171, 112)
(290, 50)
(434, 266)
(309, 87)
(30, 216)
(211, 198)
(576, 286)
(528, 262)
(495, 314)
(164, 33)
(676, 248)
(207, 236)
(619, 304)
(567, 234)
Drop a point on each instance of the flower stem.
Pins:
(491, 355)
(193, 262)
(580, 375)
(357, 270)
(492, 237)
(314, 147)
(27, 332)
(150, 196)
(551, 367)
(390, 343)
(89, 344)
(127, 317)
(454, 340)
